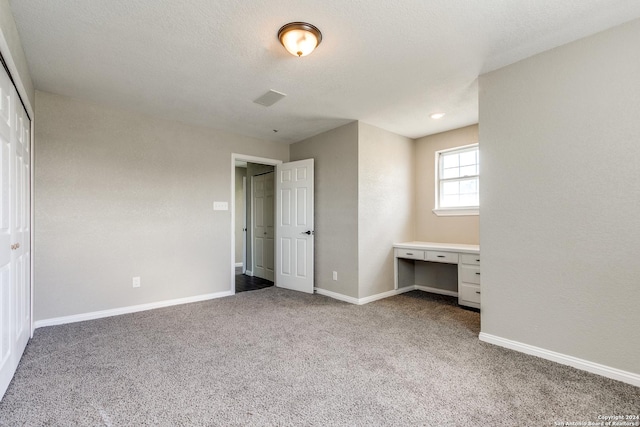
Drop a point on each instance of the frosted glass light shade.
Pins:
(299, 38)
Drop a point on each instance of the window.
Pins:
(457, 181)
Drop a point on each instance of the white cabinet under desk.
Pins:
(442, 268)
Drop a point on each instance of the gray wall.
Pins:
(364, 188)
(10, 34)
(429, 226)
(239, 220)
(559, 229)
(386, 211)
(336, 206)
(120, 194)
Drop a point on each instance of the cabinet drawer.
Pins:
(469, 274)
(470, 259)
(410, 253)
(470, 293)
(451, 258)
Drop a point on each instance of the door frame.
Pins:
(250, 236)
(244, 224)
(249, 159)
(14, 73)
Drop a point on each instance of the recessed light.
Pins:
(436, 116)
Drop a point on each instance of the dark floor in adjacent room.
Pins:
(249, 283)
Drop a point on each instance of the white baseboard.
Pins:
(130, 309)
(436, 291)
(336, 295)
(585, 365)
(365, 300)
(238, 264)
(383, 295)
(248, 273)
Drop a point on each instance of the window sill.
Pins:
(457, 211)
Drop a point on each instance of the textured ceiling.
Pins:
(388, 63)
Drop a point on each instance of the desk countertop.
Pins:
(451, 247)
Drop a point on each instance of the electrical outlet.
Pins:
(335, 275)
(136, 282)
(220, 206)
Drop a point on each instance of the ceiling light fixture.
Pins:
(299, 38)
(436, 116)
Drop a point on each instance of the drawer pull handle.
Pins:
(477, 292)
(478, 274)
(440, 256)
(409, 253)
(477, 260)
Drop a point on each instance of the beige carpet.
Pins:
(276, 357)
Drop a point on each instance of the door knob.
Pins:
(308, 232)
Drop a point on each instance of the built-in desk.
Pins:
(442, 268)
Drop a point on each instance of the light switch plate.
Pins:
(220, 206)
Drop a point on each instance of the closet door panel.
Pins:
(7, 293)
(20, 228)
(15, 232)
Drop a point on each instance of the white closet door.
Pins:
(20, 226)
(263, 230)
(6, 291)
(259, 229)
(15, 251)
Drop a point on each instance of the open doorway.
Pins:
(254, 228)
(290, 262)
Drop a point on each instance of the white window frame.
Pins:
(453, 211)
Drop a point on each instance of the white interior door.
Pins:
(15, 253)
(263, 226)
(294, 225)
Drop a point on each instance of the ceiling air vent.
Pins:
(269, 98)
